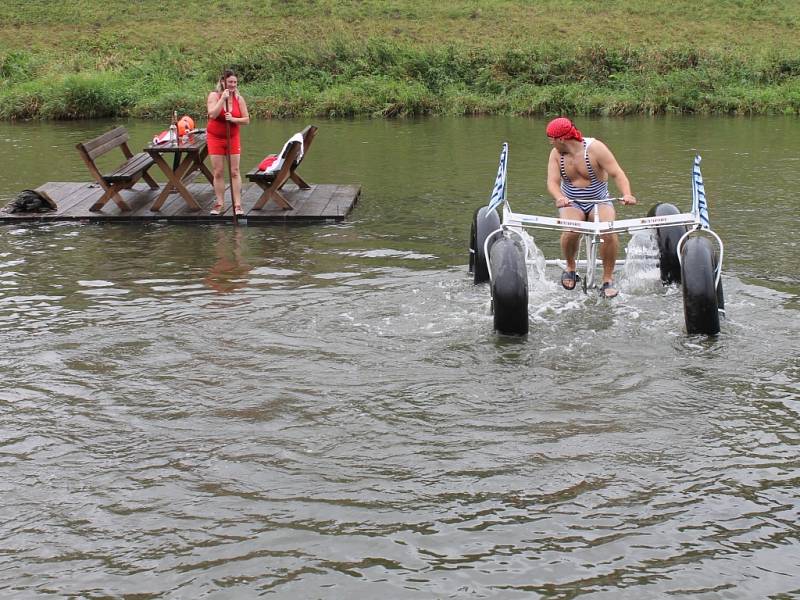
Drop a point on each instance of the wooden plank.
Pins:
(134, 197)
(130, 169)
(315, 205)
(64, 193)
(250, 193)
(106, 142)
(332, 209)
(68, 194)
(321, 202)
(140, 211)
(57, 190)
(204, 196)
(347, 199)
(321, 209)
(112, 134)
(173, 206)
(80, 208)
(335, 203)
(270, 211)
(139, 198)
(73, 195)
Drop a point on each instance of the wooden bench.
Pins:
(273, 182)
(264, 179)
(124, 176)
(309, 133)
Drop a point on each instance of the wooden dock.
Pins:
(323, 202)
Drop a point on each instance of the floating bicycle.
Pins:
(500, 254)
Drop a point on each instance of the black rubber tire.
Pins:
(509, 287)
(700, 307)
(668, 238)
(482, 226)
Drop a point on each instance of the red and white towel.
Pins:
(267, 162)
(274, 162)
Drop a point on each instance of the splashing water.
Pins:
(535, 260)
(641, 262)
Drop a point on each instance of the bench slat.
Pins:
(256, 175)
(130, 169)
(105, 142)
(109, 145)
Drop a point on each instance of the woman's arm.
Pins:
(215, 103)
(245, 118)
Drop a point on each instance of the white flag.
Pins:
(499, 190)
(699, 204)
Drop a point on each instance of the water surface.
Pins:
(324, 411)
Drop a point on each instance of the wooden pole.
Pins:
(228, 158)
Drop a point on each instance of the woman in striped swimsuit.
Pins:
(578, 169)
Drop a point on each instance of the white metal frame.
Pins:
(591, 232)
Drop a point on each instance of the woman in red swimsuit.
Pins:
(226, 106)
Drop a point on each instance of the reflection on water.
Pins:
(229, 272)
(324, 411)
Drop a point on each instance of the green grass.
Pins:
(389, 58)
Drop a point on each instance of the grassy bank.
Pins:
(403, 57)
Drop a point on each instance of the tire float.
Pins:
(509, 287)
(700, 296)
(482, 226)
(668, 238)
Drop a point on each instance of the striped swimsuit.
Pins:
(596, 190)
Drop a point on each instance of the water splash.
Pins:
(641, 262)
(535, 260)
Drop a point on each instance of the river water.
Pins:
(324, 411)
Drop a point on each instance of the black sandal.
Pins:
(570, 276)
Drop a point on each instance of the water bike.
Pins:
(689, 254)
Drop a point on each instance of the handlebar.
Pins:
(600, 200)
(620, 199)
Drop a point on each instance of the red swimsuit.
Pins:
(217, 136)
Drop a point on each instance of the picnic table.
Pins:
(187, 157)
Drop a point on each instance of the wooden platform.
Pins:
(323, 202)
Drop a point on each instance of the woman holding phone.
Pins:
(227, 110)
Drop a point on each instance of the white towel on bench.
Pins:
(276, 166)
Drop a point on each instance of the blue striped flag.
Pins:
(499, 190)
(699, 204)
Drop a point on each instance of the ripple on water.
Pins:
(361, 431)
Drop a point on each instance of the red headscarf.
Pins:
(564, 129)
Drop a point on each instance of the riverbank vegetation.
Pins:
(387, 58)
